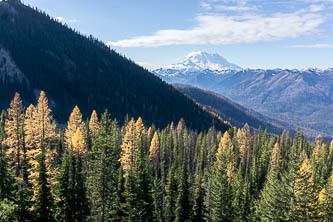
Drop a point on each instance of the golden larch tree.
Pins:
(40, 130)
(93, 123)
(244, 141)
(154, 149)
(225, 145)
(78, 143)
(318, 150)
(305, 193)
(129, 150)
(74, 122)
(14, 134)
(275, 156)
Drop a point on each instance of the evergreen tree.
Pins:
(306, 193)
(6, 179)
(183, 202)
(71, 193)
(43, 203)
(104, 170)
(199, 209)
(326, 201)
(171, 196)
(221, 188)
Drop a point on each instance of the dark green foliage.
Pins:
(53, 56)
(7, 211)
(72, 203)
(43, 204)
(103, 170)
(171, 195)
(6, 179)
(199, 208)
(221, 195)
(183, 202)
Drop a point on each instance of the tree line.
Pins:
(97, 170)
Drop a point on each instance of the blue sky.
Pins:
(250, 33)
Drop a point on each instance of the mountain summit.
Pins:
(198, 61)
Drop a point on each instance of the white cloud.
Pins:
(63, 20)
(316, 8)
(60, 19)
(237, 8)
(148, 65)
(206, 5)
(222, 30)
(314, 46)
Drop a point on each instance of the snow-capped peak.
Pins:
(197, 61)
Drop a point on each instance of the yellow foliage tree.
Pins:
(13, 129)
(140, 127)
(93, 123)
(244, 141)
(154, 149)
(40, 137)
(78, 143)
(130, 152)
(74, 122)
(318, 150)
(275, 156)
(326, 201)
(305, 193)
(225, 145)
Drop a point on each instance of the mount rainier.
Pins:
(303, 98)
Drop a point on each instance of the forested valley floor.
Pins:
(99, 170)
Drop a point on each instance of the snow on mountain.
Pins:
(200, 61)
(8, 69)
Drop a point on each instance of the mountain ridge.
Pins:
(301, 97)
(77, 70)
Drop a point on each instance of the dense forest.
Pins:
(97, 170)
(81, 70)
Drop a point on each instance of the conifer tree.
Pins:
(71, 193)
(221, 189)
(154, 150)
(74, 122)
(306, 193)
(7, 211)
(171, 196)
(157, 192)
(199, 209)
(43, 203)
(104, 170)
(78, 143)
(93, 123)
(40, 139)
(183, 202)
(6, 179)
(13, 129)
(120, 202)
(129, 150)
(326, 201)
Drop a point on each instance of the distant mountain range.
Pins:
(302, 98)
(39, 53)
(232, 112)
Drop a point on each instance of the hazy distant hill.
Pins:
(236, 114)
(38, 53)
(303, 98)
